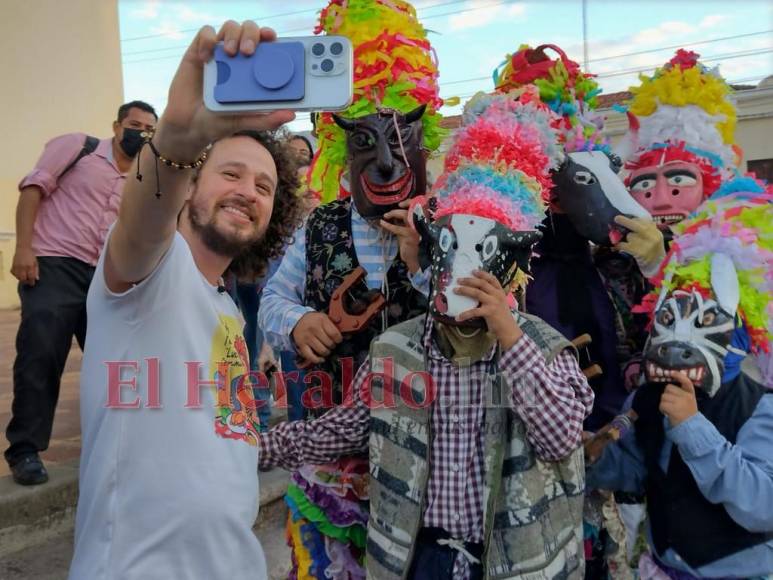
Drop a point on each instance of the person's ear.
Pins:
(192, 186)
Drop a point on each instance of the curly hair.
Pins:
(286, 216)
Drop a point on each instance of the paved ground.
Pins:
(51, 560)
(65, 442)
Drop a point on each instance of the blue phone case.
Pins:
(275, 72)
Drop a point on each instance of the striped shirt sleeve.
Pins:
(552, 399)
(281, 304)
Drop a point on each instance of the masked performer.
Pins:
(701, 444)
(472, 414)
(568, 291)
(354, 254)
(677, 152)
(680, 146)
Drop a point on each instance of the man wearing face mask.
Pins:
(66, 204)
(471, 413)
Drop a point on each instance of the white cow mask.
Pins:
(456, 245)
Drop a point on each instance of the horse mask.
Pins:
(589, 191)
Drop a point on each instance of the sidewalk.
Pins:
(65, 439)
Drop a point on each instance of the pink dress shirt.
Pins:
(76, 210)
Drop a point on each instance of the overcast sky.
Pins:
(472, 37)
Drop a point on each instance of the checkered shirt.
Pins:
(553, 400)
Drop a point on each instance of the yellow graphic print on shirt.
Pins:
(236, 416)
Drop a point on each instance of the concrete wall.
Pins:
(61, 72)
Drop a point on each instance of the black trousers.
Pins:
(52, 312)
(431, 561)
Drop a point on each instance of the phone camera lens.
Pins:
(318, 49)
(327, 65)
(336, 48)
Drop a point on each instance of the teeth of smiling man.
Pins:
(238, 212)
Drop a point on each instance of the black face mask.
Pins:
(132, 141)
(379, 176)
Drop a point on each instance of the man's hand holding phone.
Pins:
(187, 126)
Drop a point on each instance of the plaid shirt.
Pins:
(553, 400)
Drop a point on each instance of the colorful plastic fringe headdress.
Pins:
(684, 113)
(737, 223)
(563, 87)
(395, 67)
(499, 161)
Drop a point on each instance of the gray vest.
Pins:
(532, 509)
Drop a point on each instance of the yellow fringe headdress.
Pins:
(686, 104)
(395, 68)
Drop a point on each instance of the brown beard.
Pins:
(215, 240)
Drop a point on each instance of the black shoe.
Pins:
(29, 470)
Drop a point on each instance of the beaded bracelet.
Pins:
(148, 136)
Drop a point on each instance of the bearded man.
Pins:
(168, 471)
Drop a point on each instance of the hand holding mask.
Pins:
(678, 403)
(644, 242)
(493, 307)
(396, 222)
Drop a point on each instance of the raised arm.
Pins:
(147, 222)
(740, 475)
(552, 399)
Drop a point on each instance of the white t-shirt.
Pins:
(172, 492)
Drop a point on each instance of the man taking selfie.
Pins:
(168, 473)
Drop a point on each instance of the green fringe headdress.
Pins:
(395, 68)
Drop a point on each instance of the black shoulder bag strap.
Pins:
(89, 146)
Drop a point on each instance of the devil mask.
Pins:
(387, 162)
(693, 334)
(588, 190)
(670, 193)
(455, 246)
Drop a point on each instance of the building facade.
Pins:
(61, 71)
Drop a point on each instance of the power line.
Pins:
(651, 50)
(684, 45)
(483, 78)
(274, 17)
(727, 56)
(305, 29)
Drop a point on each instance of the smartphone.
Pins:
(309, 73)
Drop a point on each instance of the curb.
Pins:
(32, 515)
